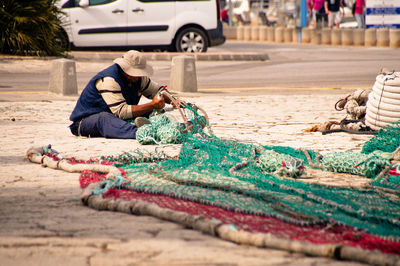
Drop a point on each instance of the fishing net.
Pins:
(250, 179)
(387, 139)
(259, 189)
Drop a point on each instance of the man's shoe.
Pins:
(141, 121)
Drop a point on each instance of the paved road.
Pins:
(43, 222)
(290, 66)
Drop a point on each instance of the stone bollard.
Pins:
(336, 36)
(230, 32)
(247, 33)
(382, 37)
(271, 34)
(63, 77)
(347, 37)
(326, 36)
(306, 35)
(370, 37)
(288, 35)
(240, 32)
(263, 33)
(394, 35)
(183, 76)
(295, 35)
(279, 34)
(255, 33)
(315, 37)
(358, 37)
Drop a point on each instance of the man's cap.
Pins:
(134, 64)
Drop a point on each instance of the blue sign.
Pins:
(383, 11)
(382, 14)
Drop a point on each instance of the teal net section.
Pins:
(202, 174)
(266, 181)
(387, 139)
(355, 163)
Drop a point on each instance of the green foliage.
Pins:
(29, 27)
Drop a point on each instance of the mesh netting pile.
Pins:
(259, 189)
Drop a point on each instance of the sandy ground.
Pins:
(44, 223)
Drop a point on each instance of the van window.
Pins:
(99, 2)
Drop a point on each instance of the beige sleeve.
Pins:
(149, 88)
(110, 90)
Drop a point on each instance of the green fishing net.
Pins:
(355, 163)
(387, 139)
(264, 180)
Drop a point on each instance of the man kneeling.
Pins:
(113, 95)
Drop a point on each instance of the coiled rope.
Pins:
(383, 106)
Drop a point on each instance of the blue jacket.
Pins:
(90, 101)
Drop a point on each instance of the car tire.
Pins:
(62, 40)
(191, 40)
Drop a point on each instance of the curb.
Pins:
(164, 56)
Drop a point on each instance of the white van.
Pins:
(177, 25)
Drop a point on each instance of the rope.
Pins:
(382, 107)
(343, 128)
(230, 233)
(38, 155)
(237, 167)
(310, 162)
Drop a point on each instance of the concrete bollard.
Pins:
(271, 34)
(358, 37)
(347, 37)
(240, 32)
(230, 32)
(336, 36)
(295, 35)
(255, 33)
(247, 33)
(382, 37)
(63, 77)
(370, 37)
(183, 76)
(315, 37)
(288, 35)
(306, 35)
(263, 35)
(326, 36)
(394, 35)
(279, 34)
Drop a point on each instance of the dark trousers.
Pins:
(104, 124)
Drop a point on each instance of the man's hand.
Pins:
(158, 102)
(177, 103)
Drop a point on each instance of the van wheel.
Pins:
(62, 40)
(191, 40)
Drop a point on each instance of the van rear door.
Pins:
(151, 22)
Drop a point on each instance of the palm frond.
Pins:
(29, 27)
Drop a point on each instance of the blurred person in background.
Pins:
(358, 8)
(314, 9)
(332, 8)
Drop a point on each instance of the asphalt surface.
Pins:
(268, 101)
(288, 66)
